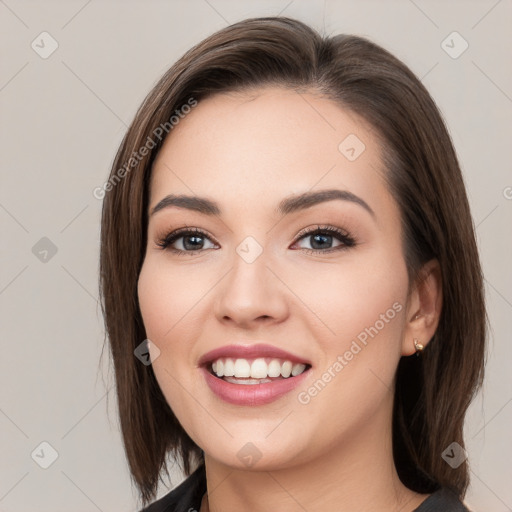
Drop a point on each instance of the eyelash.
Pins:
(347, 240)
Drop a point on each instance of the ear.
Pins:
(423, 308)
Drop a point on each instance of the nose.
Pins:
(251, 295)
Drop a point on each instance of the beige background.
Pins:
(62, 119)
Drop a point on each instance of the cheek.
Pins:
(161, 311)
(164, 300)
(365, 309)
(363, 306)
(170, 303)
(167, 296)
(360, 293)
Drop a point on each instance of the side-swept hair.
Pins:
(421, 169)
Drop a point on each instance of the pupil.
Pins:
(194, 245)
(325, 238)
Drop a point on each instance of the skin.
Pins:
(248, 151)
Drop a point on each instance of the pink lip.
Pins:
(249, 352)
(251, 394)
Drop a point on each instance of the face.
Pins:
(238, 293)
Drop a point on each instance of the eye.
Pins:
(322, 237)
(188, 241)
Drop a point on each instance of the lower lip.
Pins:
(252, 394)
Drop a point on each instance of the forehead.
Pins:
(263, 144)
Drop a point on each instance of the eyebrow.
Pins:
(287, 206)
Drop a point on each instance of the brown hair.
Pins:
(432, 391)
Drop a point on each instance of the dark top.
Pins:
(188, 495)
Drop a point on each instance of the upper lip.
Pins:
(250, 352)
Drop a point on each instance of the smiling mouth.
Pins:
(260, 370)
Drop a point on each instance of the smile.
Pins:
(252, 375)
(255, 371)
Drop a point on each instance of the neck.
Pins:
(359, 474)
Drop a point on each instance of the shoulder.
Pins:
(184, 498)
(443, 500)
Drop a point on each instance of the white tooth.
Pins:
(220, 368)
(286, 369)
(297, 369)
(214, 366)
(274, 368)
(242, 368)
(259, 369)
(229, 368)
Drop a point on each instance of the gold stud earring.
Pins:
(419, 347)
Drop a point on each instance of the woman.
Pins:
(290, 281)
